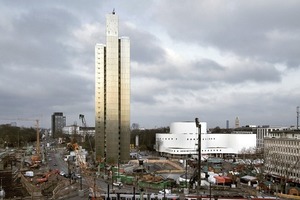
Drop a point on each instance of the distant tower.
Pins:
(58, 121)
(297, 117)
(137, 140)
(112, 95)
(237, 122)
(227, 124)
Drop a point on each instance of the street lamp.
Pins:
(2, 192)
(198, 125)
(186, 185)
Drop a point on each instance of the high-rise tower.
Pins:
(112, 95)
(58, 121)
(237, 122)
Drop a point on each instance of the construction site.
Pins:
(25, 176)
(50, 170)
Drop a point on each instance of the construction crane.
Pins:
(84, 126)
(90, 181)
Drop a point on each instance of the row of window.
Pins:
(291, 175)
(203, 150)
(167, 138)
(187, 138)
(202, 139)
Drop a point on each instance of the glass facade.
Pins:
(112, 95)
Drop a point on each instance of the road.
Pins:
(55, 160)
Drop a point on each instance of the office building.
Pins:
(265, 131)
(58, 122)
(281, 155)
(112, 95)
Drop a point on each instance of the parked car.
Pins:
(118, 184)
(75, 176)
(67, 175)
(167, 191)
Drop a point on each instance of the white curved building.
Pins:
(183, 140)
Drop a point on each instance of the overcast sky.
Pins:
(215, 60)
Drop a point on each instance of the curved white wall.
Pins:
(183, 139)
(187, 127)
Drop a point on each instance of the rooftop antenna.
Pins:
(113, 12)
(297, 117)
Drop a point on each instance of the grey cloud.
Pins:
(138, 98)
(46, 67)
(239, 27)
(209, 71)
(196, 81)
(37, 39)
(145, 47)
(206, 73)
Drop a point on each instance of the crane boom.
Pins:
(81, 116)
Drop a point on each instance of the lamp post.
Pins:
(2, 192)
(186, 185)
(198, 125)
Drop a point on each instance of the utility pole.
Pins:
(186, 185)
(198, 125)
(38, 151)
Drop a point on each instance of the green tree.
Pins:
(147, 137)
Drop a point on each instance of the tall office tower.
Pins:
(112, 95)
(58, 121)
(227, 124)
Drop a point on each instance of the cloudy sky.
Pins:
(215, 60)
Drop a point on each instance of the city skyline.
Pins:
(212, 60)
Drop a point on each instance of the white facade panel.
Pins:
(183, 140)
(187, 127)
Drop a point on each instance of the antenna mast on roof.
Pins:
(297, 118)
(113, 12)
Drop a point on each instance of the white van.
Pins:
(29, 173)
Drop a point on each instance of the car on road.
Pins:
(118, 184)
(165, 191)
(77, 176)
(67, 175)
(62, 173)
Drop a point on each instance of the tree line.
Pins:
(14, 137)
(146, 137)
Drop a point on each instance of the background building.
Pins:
(265, 131)
(58, 122)
(282, 157)
(82, 131)
(112, 95)
(237, 122)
